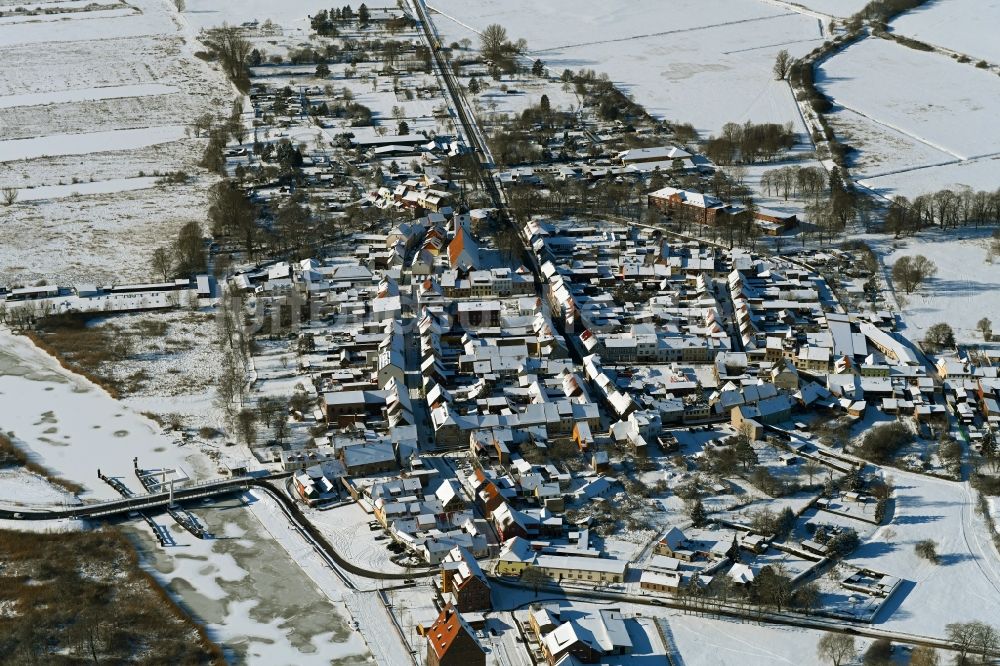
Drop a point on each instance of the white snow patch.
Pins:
(88, 142)
(85, 94)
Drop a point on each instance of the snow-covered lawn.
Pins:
(965, 288)
(704, 63)
(965, 26)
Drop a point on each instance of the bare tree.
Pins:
(782, 63)
(909, 272)
(9, 195)
(835, 648)
(493, 42)
(162, 262)
(924, 656)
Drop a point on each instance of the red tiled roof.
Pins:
(445, 629)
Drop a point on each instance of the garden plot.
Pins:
(347, 530)
(944, 116)
(375, 92)
(965, 288)
(965, 26)
(660, 52)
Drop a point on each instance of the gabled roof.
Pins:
(448, 626)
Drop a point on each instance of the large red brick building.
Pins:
(702, 208)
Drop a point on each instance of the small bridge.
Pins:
(124, 506)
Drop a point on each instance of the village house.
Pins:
(451, 641)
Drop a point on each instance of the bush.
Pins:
(927, 549)
(940, 336)
(881, 444)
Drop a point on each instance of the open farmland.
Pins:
(884, 111)
(98, 106)
(660, 52)
(964, 26)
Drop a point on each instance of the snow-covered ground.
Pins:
(21, 488)
(94, 104)
(289, 15)
(915, 133)
(964, 586)
(704, 63)
(965, 288)
(73, 427)
(965, 26)
(838, 8)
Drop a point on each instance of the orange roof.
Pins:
(445, 629)
(456, 246)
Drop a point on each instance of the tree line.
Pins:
(948, 209)
(749, 143)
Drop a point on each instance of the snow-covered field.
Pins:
(289, 15)
(965, 26)
(964, 586)
(908, 127)
(95, 107)
(88, 142)
(74, 428)
(85, 94)
(704, 63)
(956, 115)
(837, 8)
(979, 174)
(965, 288)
